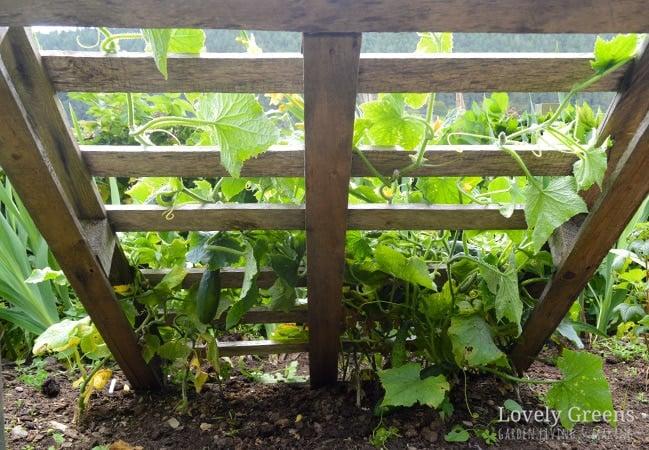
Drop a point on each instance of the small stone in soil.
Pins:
(19, 432)
(19, 388)
(58, 426)
(173, 423)
(205, 426)
(50, 387)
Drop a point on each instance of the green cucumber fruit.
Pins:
(208, 296)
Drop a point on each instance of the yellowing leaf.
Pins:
(122, 289)
(199, 380)
(101, 378)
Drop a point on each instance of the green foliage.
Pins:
(611, 53)
(583, 394)
(473, 344)
(404, 387)
(238, 126)
(549, 206)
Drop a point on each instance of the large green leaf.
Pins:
(388, 124)
(404, 387)
(547, 207)
(59, 337)
(413, 270)
(610, 53)
(582, 391)
(158, 43)
(240, 127)
(472, 342)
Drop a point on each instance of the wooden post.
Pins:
(583, 246)
(21, 58)
(627, 189)
(330, 85)
(26, 161)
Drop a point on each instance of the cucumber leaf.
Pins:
(157, 40)
(612, 52)
(590, 168)
(472, 342)
(413, 270)
(548, 207)
(404, 387)
(387, 123)
(239, 127)
(582, 391)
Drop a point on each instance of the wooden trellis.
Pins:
(53, 175)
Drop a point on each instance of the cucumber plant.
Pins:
(419, 330)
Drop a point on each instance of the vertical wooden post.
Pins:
(330, 85)
(26, 161)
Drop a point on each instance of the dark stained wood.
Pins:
(211, 72)
(273, 216)
(212, 217)
(187, 161)
(478, 72)
(24, 65)
(230, 277)
(282, 72)
(432, 217)
(498, 16)
(26, 163)
(625, 114)
(288, 161)
(626, 190)
(330, 88)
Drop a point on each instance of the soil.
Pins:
(249, 414)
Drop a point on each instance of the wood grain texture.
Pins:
(25, 161)
(213, 217)
(270, 216)
(20, 55)
(478, 72)
(625, 114)
(23, 63)
(211, 72)
(331, 82)
(288, 161)
(432, 217)
(282, 72)
(626, 190)
(498, 16)
(230, 277)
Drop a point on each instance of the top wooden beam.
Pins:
(497, 16)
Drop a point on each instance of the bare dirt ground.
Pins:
(290, 416)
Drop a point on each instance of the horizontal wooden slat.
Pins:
(260, 347)
(432, 217)
(212, 217)
(235, 216)
(230, 277)
(282, 72)
(288, 161)
(498, 16)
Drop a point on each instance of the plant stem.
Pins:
(514, 379)
(169, 121)
(219, 248)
